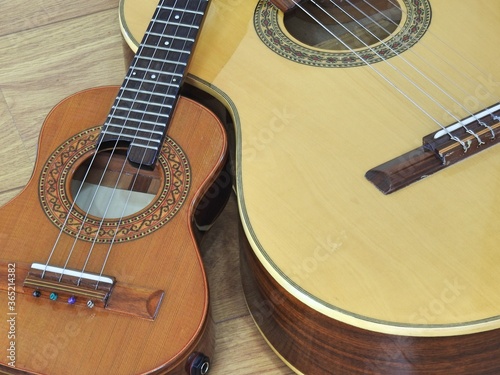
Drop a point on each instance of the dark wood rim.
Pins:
(316, 344)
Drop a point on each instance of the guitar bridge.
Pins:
(439, 150)
(72, 286)
(87, 289)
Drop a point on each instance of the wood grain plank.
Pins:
(240, 349)
(42, 66)
(25, 15)
(16, 165)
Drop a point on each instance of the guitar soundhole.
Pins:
(344, 25)
(112, 188)
(360, 32)
(163, 191)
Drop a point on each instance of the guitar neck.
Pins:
(143, 108)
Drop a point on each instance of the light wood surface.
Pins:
(51, 49)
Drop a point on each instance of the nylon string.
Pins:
(433, 83)
(114, 149)
(384, 60)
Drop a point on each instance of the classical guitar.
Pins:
(367, 187)
(112, 281)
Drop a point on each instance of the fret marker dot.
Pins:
(177, 17)
(167, 42)
(153, 76)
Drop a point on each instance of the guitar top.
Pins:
(356, 260)
(311, 122)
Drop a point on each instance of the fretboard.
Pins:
(143, 108)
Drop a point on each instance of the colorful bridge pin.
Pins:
(72, 300)
(37, 293)
(53, 296)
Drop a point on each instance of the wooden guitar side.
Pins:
(54, 337)
(339, 277)
(311, 343)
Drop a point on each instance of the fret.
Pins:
(137, 124)
(138, 68)
(144, 72)
(184, 10)
(147, 123)
(144, 146)
(154, 82)
(137, 120)
(146, 80)
(158, 94)
(170, 37)
(130, 128)
(175, 50)
(146, 87)
(151, 58)
(170, 29)
(177, 24)
(138, 101)
(169, 65)
(134, 137)
(128, 110)
(151, 99)
(123, 131)
(144, 105)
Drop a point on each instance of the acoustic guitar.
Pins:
(112, 282)
(369, 242)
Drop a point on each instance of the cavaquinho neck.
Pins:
(144, 105)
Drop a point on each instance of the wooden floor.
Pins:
(53, 48)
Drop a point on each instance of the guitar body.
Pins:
(157, 315)
(339, 277)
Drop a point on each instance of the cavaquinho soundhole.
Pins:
(102, 198)
(347, 33)
(108, 186)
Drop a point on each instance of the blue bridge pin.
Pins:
(72, 300)
(53, 296)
